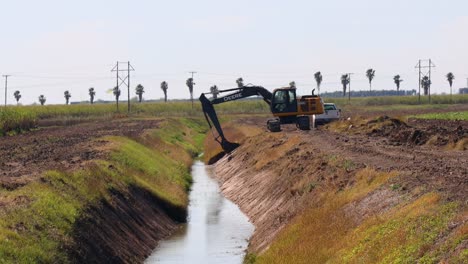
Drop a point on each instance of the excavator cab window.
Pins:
(284, 101)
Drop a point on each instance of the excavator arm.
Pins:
(237, 93)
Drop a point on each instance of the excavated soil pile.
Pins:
(420, 132)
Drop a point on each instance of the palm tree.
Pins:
(164, 87)
(344, 82)
(318, 79)
(42, 99)
(426, 84)
(292, 85)
(370, 73)
(67, 96)
(240, 82)
(397, 81)
(190, 85)
(17, 96)
(214, 90)
(450, 78)
(92, 93)
(116, 92)
(139, 90)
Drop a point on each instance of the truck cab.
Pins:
(331, 113)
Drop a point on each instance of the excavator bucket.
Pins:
(228, 147)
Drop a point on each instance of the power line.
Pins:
(423, 73)
(349, 90)
(124, 80)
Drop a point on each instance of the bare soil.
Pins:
(24, 157)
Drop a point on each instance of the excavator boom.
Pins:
(237, 93)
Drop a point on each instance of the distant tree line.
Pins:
(370, 93)
(345, 81)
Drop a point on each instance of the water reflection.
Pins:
(216, 231)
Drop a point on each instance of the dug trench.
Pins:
(98, 192)
(352, 192)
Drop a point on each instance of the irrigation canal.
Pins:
(216, 230)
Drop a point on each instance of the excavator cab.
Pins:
(292, 109)
(284, 101)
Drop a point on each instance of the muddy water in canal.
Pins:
(216, 230)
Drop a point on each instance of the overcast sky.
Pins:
(52, 46)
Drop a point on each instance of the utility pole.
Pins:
(123, 79)
(425, 73)
(6, 87)
(419, 93)
(193, 83)
(430, 64)
(349, 89)
(128, 86)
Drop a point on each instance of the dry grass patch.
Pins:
(461, 144)
(406, 233)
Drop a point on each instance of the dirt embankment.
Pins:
(122, 227)
(124, 231)
(274, 177)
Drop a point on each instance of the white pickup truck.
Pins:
(331, 113)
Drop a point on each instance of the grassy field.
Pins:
(18, 118)
(400, 100)
(444, 116)
(37, 220)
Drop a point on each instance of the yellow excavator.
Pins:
(285, 105)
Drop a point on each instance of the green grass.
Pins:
(37, 220)
(16, 120)
(444, 116)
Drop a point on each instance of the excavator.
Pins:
(285, 105)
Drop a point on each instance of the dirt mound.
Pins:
(415, 132)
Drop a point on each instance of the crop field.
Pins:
(444, 116)
(21, 118)
(401, 100)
